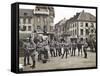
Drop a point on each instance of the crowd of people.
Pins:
(45, 49)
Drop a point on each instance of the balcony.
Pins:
(46, 12)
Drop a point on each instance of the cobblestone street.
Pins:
(58, 63)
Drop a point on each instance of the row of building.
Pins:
(41, 19)
(80, 25)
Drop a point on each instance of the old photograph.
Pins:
(56, 37)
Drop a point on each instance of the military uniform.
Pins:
(33, 53)
(40, 50)
(52, 49)
(46, 48)
(57, 48)
(79, 46)
(26, 53)
(69, 48)
(85, 46)
(73, 49)
(65, 46)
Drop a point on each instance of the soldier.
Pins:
(42, 51)
(32, 53)
(46, 48)
(65, 50)
(79, 46)
(73, 48)
(69, 48)
(85, 46)
(39, 50)
(58, 49)
(26, 52)
(52, 48)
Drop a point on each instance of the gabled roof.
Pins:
(27, 12)
(86, 16)
(74, 18)
(61, 22)
(83, 16)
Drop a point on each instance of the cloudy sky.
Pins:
(63, 12)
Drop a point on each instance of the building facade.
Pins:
(81, 25)
(39, 19)
(59, 27)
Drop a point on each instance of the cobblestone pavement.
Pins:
(58, 63)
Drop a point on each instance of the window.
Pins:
(25, 14)
(81, 23)
(70, 26)
(29, 20)
(29, 28)
(45, 28)
(75, 24)
(87, 32)
(92, 31)
(45, 20)
(86, 24)
(38, 27)
(75, 31)
(38, 9)
(24, 28)
(38, 19)
(19, 21)
(70, 32)
(24, 20)
(81, 31)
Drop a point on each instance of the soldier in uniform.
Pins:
(85, 46)
(69, 48)
(58, 49)
(32, 53)
(46, 48)
(52, 48)
(79, 46)
(42, 52)
(73, 48)
(65, 46)
(26, 53)
(39, 50)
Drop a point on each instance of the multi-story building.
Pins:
(59, 27)
(41, 19)
(81, 25)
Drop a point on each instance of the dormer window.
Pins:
(25, 14)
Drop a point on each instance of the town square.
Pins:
(51, 40)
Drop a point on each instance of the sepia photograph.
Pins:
(57, 37)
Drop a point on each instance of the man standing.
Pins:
(46, 48)
(85, 46)
(40, 49)
(32, 53)
(52, 48)
(73, 48)
(58, 48)
(79, 46)
(65, 46)
(26, 52)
